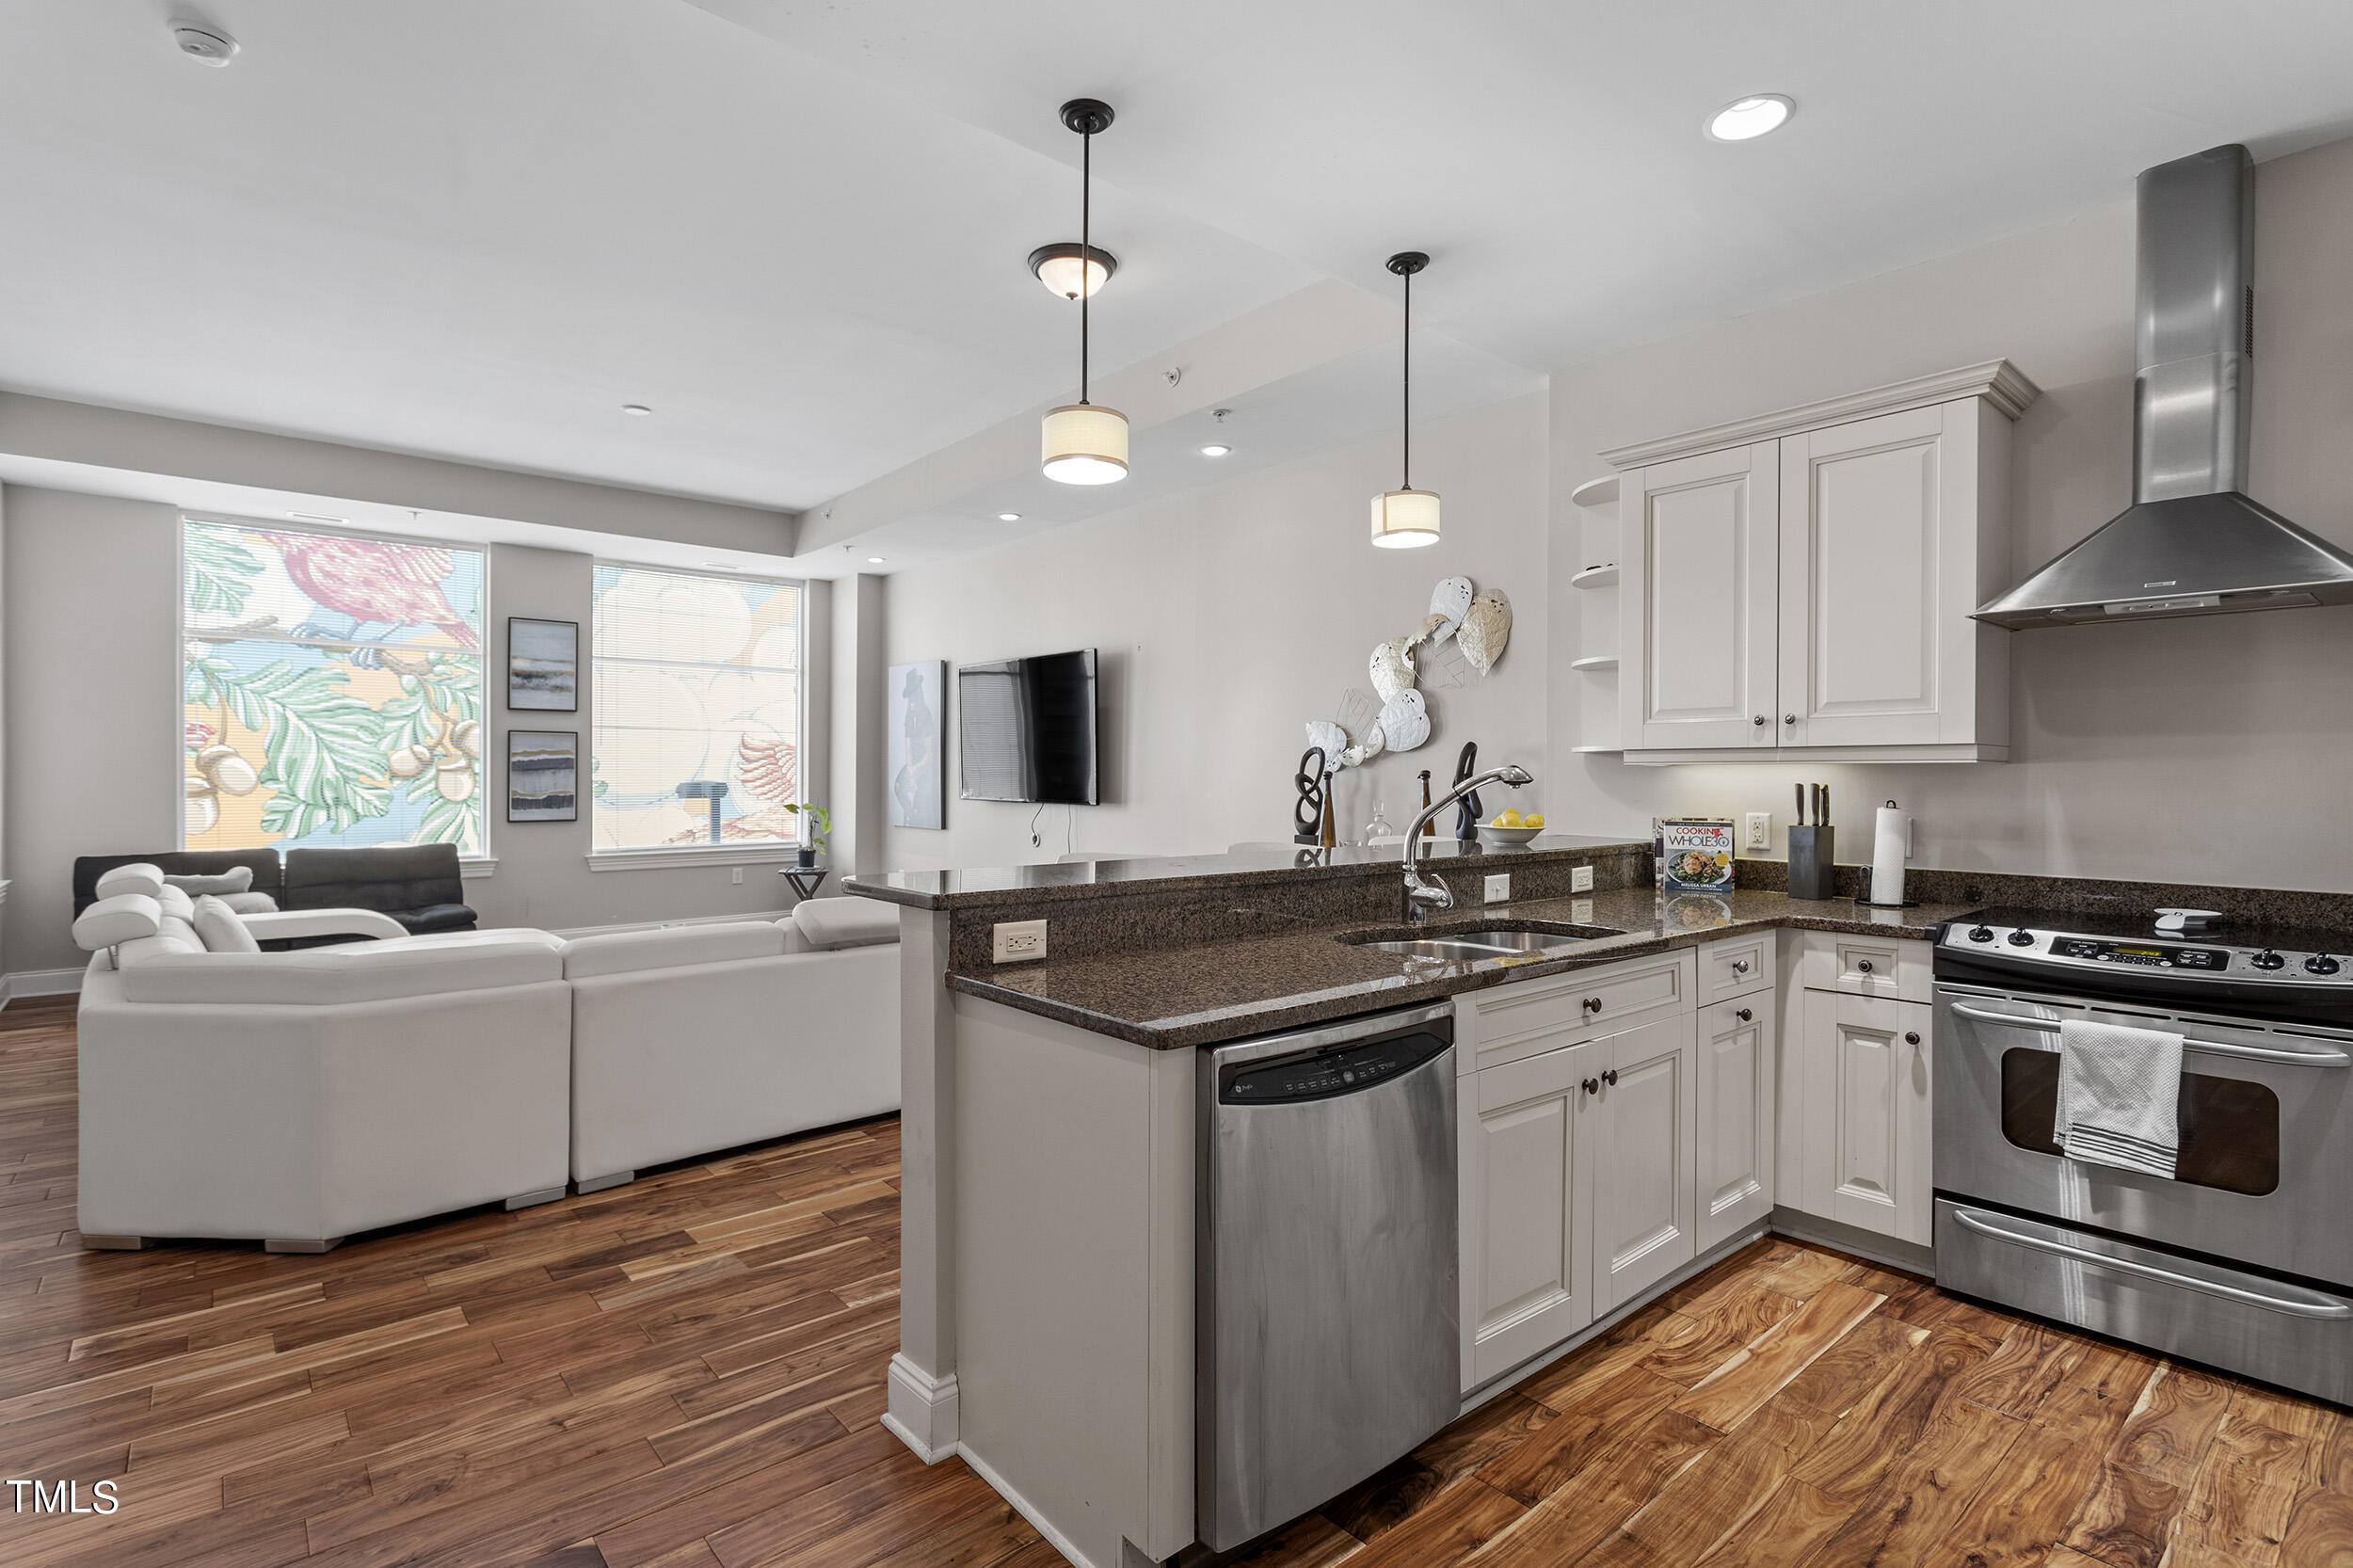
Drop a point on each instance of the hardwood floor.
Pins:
(688, 1372)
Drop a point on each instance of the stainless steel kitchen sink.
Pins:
(1461, 946)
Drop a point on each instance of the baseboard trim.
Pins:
(922, 1413)
(1868, 1245)
(38, 983)
(1022, 1506)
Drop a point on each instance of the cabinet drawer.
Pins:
(1509, 1022)
(1891, 967)
(1735, 965)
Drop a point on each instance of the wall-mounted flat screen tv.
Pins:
(1028, 730)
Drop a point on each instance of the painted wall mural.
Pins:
(332, 689)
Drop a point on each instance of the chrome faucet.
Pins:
(1425, 893)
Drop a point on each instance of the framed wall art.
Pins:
(919, 760)
(542, 775)
(543, 665)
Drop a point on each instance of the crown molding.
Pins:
(1998, 381)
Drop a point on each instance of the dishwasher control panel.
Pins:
(1320, 1075)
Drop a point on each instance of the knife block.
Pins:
(1813, 862)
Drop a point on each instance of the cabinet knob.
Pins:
(1591, 1004)
(1862, 965)
(1744, 1015)
(1739, 966)
(1592, 1086)
(1610, 1078)
(1789, 718)
(1912, 1038)
(1761, 721)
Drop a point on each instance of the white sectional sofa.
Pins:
(701, 1037)
(296, 1098)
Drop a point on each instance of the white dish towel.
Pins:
(2117, 1096)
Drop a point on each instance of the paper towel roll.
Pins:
(1889, 837)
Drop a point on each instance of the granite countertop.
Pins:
(948, 889)
(1179, 997)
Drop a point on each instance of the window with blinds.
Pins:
(698, 702)
(332, 689)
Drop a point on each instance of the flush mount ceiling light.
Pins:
(1405, 517)
(1081, 443)
(1060, 267)
(1747, 118)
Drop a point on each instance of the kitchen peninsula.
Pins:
(1049, 1325)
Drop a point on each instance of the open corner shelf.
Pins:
(1595, 492)
(1598, 662)
(1597, 577)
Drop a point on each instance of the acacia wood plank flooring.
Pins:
(687, 1372)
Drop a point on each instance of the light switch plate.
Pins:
(738, 878)
(1017, 941)
(1581, 880)
(1500, 888)
(1760, 830)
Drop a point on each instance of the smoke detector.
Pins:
(202, 42)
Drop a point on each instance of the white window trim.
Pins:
(471, 866)
(673, 855)
(658, 857)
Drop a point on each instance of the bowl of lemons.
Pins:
(1511, 827)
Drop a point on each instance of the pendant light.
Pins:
(1405, 517)
(1083, 442)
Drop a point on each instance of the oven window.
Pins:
(2230, 1127)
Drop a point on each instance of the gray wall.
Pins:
(1229, 617)
(2202, 750)
(88, 648)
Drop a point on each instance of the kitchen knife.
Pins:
(1825, 821)
(1801, 806)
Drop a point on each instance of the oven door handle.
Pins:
(2322, 1308)
(2211, 1048)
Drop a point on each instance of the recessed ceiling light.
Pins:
(723, 565)
(873, 560)
(1008, 517)
(315, 516)
(1746, 118)
(637, 409)
(1215, 449)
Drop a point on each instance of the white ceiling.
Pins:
(474, 228)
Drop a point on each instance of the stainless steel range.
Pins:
(2242, 1259)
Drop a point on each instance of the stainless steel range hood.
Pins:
(2191, 543)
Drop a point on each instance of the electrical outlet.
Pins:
(1760, 830)
(1017, 941)
(1581, 910)
(1581, 880)
(1499, 889)
(738, 878)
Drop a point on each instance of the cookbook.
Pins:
(1693, 853)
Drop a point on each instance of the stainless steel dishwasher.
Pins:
(1329, 1339)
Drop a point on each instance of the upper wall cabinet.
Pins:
(1800, 584)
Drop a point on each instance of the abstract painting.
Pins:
(543, 664)
(918, 779)
(542, 775)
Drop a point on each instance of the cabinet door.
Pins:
(1866, 1115)
(1736, 1116)
(1877, 577)
(1645, 1170)
(1697, 584)
(1525, 1210)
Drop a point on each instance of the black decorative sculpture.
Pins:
(1466, 815)
(1307, 814)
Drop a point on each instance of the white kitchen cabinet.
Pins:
(1697, 623)
(1798, 585)
(1866, 1114)
(1527, 1164)
(1646, 1143)
(1735, 1141)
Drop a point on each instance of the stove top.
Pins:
(2273, 971)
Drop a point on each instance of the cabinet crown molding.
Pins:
(1999, 382)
